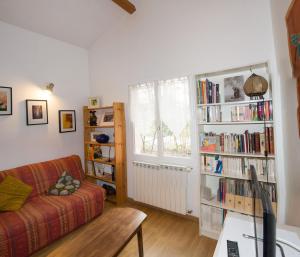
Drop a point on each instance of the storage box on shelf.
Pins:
(105, 163)
(232, 137)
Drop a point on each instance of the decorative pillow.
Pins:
(65, 185)
(13, 194)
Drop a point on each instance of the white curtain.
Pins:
(143, 109)
(174, 111)
(160, 112)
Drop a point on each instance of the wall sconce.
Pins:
(49, 88)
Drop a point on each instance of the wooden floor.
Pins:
(165, 235)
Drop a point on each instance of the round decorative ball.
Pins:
(102, 138)
(255, 85)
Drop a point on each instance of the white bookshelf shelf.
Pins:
(235, 103)
(234, 177)
(216, 204)
(213, 210)
(234, 122)
(238, 154)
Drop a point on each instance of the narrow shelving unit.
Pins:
(117, 162)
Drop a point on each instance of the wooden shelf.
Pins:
(101, 108)
(235, 122)
(99, 144)
(90, 127)
(118, 163)
(104, 179)
(233, 177)
(235, 103)
(216, 204)
(112, 162)
(238, 154)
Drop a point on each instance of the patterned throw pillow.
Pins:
(13, 194)
(65, 185)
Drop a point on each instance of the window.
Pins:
(160, 113)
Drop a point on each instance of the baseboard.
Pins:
(187, 216)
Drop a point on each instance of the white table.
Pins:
(236, 225)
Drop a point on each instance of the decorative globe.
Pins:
(255, 85)
(102, 138)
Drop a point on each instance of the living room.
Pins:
(147, 64)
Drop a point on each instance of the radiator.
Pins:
(163, 186)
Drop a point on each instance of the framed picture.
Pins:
(233, 89)
(94, 135)
(94, 102)
(36, 112)
(5, 101)
(67, 121)
(107, 119)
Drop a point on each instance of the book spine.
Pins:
(271, 137)
(217, 93)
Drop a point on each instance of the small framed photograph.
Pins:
(233, 89)
(99, 169)
(67, 121)
(36, 112)
(5, 101)
(94, 102)
(107, 119)
(94, 135)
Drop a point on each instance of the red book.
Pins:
(257, 142)
(267, 140)
(271, 138)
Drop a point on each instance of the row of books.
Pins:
(210, 114)
(207, 92)
(212, 218)
(241, 188)
(238, 167)
(253, 112)
(254, 143)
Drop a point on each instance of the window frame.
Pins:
(160, 157)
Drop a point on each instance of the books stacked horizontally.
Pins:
(238, 167)
(253, 112)
(207, 92)
(252, 143)
(210, 114)
(213, 217)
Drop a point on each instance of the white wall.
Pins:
(29, 61)
(291, 146)
(166, 39)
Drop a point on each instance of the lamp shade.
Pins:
(255, 85)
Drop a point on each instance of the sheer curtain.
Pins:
(160, 113)
(143, 115)
(174, 112)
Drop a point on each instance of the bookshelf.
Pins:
(232, 137)
(110, 167)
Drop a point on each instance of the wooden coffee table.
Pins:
(106, 236)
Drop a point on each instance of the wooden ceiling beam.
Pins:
(126, 5)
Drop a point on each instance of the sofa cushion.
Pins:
(65, 185)
(44, 219)
(44, 174)
(13, 194)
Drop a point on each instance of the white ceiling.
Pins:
(79, 22)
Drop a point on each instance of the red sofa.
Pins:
(44, 218)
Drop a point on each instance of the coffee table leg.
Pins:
(140, 241)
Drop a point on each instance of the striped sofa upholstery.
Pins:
(45, 218)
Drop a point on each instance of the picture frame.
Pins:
(107, 119)
(233, 89)
(94, 102)
(36, 112)
(67, 121)
(94, 134)
(5, 100)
